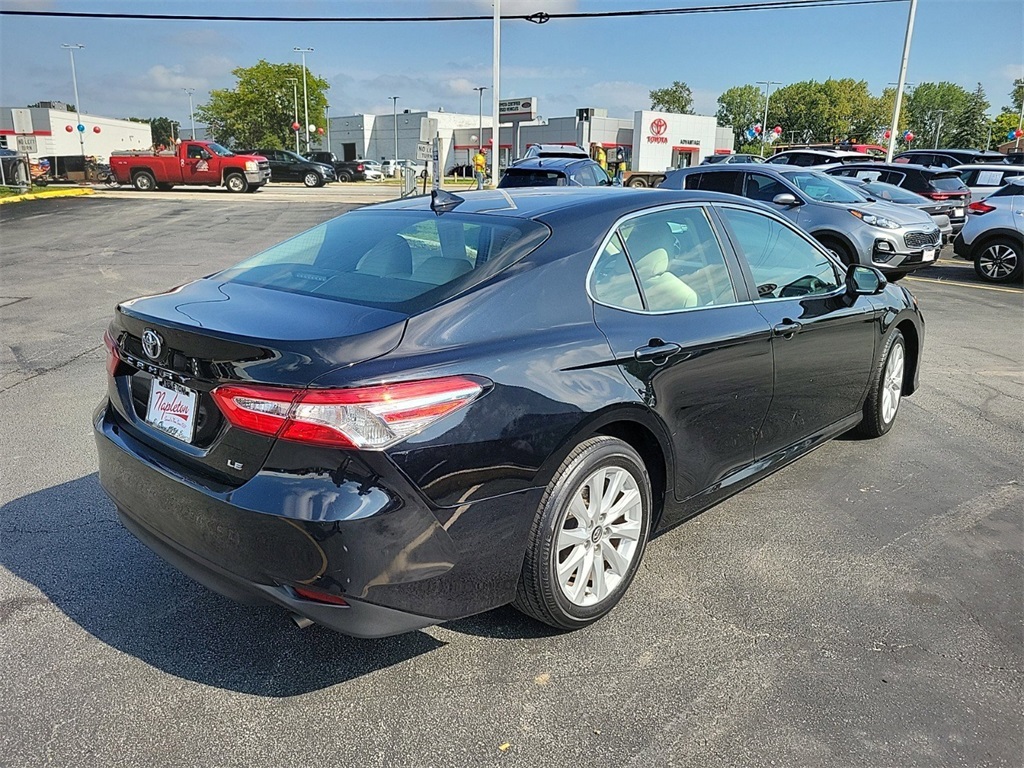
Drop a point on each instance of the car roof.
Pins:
(558, 148)
(537, 202)
(987, 167)
(759, 167)
(824, 152)
(874, 166)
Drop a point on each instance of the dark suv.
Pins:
(948, 158)
(936, 184)
(555, 172)
(288, 166)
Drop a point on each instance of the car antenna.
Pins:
(442, 202)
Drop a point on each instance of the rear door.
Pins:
(823, 339)
(672, 303)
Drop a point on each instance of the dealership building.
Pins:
(52, 133)
(647, 141)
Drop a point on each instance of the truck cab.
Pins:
(202, 163)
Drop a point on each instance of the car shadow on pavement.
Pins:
(67, 542)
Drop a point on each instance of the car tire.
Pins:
(559, 584)
(999, 260)
(236, 182)
(144, 181)
(344, 177)
(312, 179)
(839, 248)
(886, 388)
(637, 182)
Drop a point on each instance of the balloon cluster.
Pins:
(1015, 134)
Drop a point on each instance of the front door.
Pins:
(823, 338)
(198, 167)
(673, 306)
(764, 188)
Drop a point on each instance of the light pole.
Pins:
(901, 82)
(305, 94)
(394, 113)
(327, 125)
(71, 48)
(191, 113)
(480, 116)
(938, 128)
(764, 125)
(295, 94)
(495, 90)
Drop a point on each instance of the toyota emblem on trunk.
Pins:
(152, 344)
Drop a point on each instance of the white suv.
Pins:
(993, 237)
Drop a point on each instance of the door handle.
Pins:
(787, 328)
(657, 352)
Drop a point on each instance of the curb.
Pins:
(47, 194)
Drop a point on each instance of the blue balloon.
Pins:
(81, 128)
(1011, 135)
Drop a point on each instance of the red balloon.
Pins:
(1018, 133)
(295, 126)
(757, 129)
(320, 131)
(909, 136)
(888, 133)
(777, 130)
(68, 128)
(95, 129)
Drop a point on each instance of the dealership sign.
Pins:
(517, 110)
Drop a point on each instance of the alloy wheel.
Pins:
(892, 383)
(997, 261)
(599, 536)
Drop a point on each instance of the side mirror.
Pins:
(787, 199)
(616, 181)
(864, 281)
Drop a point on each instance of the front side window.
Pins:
(405, 261)
(783, 264)
(763, 188)
(678, 260)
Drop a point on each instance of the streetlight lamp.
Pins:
(71, 48)
(295, 94)
(480, 117)
(191, 113)
(764, 125)
(305, 93)
(394, 113)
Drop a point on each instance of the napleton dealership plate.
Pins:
(172, 409)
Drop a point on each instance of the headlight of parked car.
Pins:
(875, 221)
(251, 165)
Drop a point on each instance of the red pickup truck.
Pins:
(193, 162)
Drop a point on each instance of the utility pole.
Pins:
(764, 124)
(901, 82)
(295, 95)
(305, 94)
(938, 128)
(191, 113)
(394, 114)
(480, 117)
(495, 88)
(71, 48)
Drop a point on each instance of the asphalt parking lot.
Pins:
(862, 607)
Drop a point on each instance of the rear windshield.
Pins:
(895, 194)
(533, 177)
(951, 183)
(405, 261)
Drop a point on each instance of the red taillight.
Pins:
(113, 358)
(319, 596)
(359, 167)
(980, 207)
(364, 417)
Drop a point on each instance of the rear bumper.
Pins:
(398, 564)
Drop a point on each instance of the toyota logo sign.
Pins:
(658, 126)
(152, 344)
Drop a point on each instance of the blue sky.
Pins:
(139, 67)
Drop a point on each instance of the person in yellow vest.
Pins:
(602, 157)
(480, 168)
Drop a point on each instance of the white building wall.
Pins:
(661, 139)
(49, 126)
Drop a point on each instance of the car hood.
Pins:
(907, 215)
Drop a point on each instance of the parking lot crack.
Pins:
(40, 371)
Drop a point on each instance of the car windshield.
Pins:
(824, 189)
(405, 261)
(217, 149)
(533, 177)
(891, 192)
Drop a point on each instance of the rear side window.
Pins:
(528, 177)
(720, 181)
(950, 183)
(406, 261)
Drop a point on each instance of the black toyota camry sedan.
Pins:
(425, 409)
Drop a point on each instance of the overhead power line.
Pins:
(539, 17)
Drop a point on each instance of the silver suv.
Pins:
(993, 237)
(859, 230)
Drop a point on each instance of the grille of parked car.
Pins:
(922, 239)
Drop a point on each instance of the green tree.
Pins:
(164, 129)
(947, 114)
(259, 110)
(676, 98)
(740, 106)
